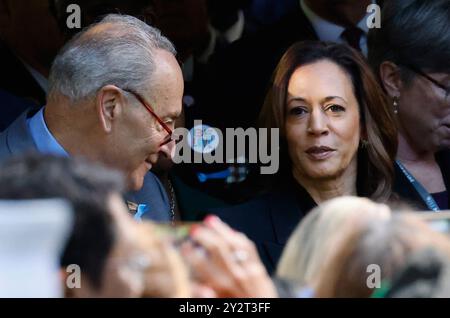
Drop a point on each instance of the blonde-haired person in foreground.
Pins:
(316, 236)
(382, 243)
(386, 243)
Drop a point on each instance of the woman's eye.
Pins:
(336, 108)
(297, 111)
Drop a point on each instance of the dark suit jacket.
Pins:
(409, 194)
(16, 140)
(240, 75)
(16, 79)
(10, 108)
(270, 220)
(18, 86)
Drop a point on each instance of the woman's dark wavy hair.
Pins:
(375, 162)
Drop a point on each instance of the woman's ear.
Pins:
(109, 105)
(391, 78)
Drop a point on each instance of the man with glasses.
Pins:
(115, 91)
(31, 34)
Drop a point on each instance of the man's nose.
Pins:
(168, 150)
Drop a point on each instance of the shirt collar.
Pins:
(328, 31)
(42, 137)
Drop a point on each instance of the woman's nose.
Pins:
(318, 123)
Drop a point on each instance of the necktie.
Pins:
(352, 36)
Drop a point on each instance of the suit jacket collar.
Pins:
(300, 26)
(286, 208)
(17, 79)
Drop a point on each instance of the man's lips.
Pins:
(320, 152)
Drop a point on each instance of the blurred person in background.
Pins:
(410, 53)
(338, 138)
(239, 76)
(115, 92)
(31, 34)
(29, 41)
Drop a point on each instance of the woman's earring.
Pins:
(364, 143)
(395, 103)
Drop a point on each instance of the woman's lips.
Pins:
(320, 152)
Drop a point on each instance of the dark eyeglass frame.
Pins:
(170, 137)
(418, 71)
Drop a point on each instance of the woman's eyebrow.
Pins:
(328, 98)
(297, 99)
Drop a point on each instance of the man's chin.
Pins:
(135, 183)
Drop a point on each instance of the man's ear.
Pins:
(5, 15)
(391, 78)
(109, 105)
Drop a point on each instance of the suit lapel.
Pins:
(18, 80)
(286, 211)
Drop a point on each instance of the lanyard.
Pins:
(426, 197)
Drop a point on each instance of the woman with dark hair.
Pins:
(338, 138)
(411, 55)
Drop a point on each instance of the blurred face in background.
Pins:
(322, 121)
(93, 10)
(31, 30)
(184, 22)
(424, 112)
(341, 12)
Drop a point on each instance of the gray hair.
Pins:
(118, 50)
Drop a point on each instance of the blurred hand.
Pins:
(226, 261)
(167, 276)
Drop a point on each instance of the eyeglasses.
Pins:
(170, 137)
(432, 80)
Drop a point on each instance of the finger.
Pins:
(236, 241)
(218, 250)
